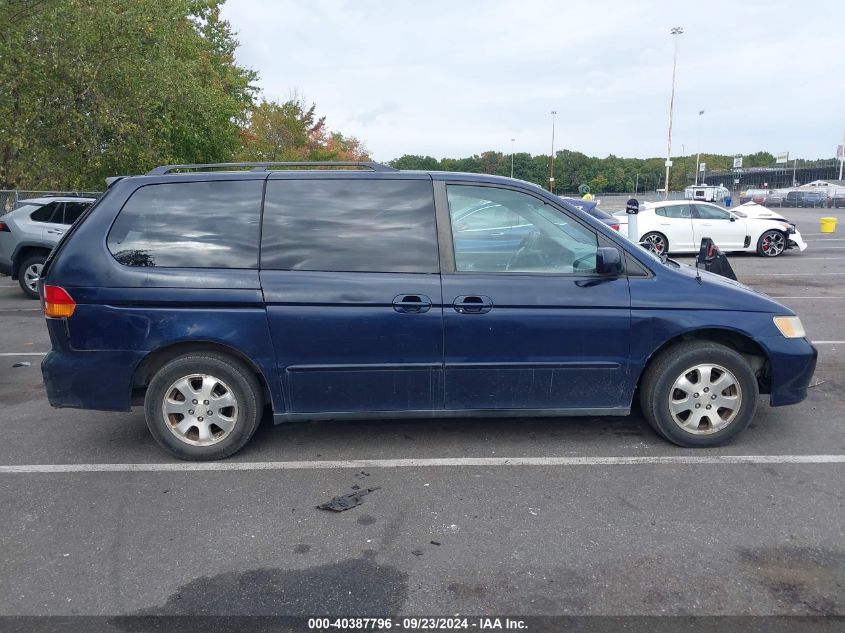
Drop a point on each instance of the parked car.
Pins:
(592, 207)
(753, 195)
(793, 199)
(837, 200)
(813, 199)
(30, 231)
(362, 293)
(677, 226)
(773, 199)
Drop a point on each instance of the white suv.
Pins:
(30, 231)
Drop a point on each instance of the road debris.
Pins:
(25, 363)
(344, 502)
(816, 384)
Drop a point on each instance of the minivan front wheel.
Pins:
(203, 406)
(699, 394)
(29, 273)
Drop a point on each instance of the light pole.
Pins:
(637, 184)
(842, 158)
(552, 162)
(698, 155)
(513, 140)
(677, 30)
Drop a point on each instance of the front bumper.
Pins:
(792, 362)
(794, 240)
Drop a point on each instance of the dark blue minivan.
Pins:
(211, 293)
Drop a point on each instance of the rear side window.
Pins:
(674, 211)
(338, 225)
(190, 225)
(45, 213)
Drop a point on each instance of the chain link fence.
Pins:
(11, 198)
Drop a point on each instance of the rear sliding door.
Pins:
(350, 274)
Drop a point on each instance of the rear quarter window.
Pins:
(190, 225)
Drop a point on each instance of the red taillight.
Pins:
(615, 227)
(4, 228)
(57, 303)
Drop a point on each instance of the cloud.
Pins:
(454, 79)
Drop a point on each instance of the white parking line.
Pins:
(837, 298)
(789, 274)
(24, 353)
(424, 463)
(828, 342)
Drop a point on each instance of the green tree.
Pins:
(91, 89)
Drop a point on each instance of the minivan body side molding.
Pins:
(280, 418)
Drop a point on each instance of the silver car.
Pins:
(30, 231)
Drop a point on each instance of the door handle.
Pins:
(472, 304)
(411, 304)
(55, 232)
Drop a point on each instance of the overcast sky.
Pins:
(455, 78)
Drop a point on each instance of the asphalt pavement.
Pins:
(586, 516)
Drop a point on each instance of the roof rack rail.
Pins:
(263, 166)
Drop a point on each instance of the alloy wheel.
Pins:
(31, 276)
(705, 399)
(200, 409)
(773, 243)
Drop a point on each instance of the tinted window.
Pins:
(499, 230)
(712, 213)
(350, 225)
(190, 225)
(45, 213)
(73, 210)
(675, 211)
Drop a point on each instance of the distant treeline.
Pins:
(611, 175)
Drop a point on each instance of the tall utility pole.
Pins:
(513, 140)
(842, 158)
(698, 156)
(677, 30)
(552, 162)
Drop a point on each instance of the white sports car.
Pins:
(677, 226)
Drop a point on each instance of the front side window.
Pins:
(706, 212)
(350, 225)
(499, 230)
(73, 210)
(190, 225)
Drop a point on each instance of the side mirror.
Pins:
(733, 218)
(608, 261)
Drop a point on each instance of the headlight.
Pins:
(790, 326)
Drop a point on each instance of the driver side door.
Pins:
(528, 322)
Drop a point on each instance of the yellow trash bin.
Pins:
(828, 225)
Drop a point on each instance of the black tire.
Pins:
(766, 245)
(657, 389)
(231, 376)
(23, 274)
(654, 237)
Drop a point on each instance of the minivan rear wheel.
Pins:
(203, 406)
(28, 275)
(699, 394)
